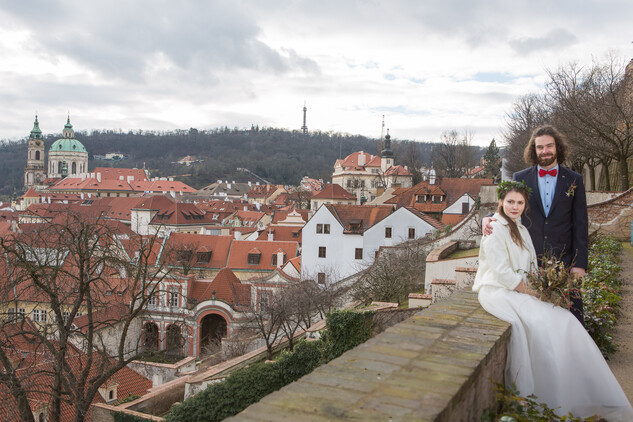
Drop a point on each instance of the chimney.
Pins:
(280, 258)
(245, 208)
(237, 235)
(361, 158)
(249, 183)
(432, 177)
(228, 186)
(270, 235)
(99, 177)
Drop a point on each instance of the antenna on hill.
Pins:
(304, 128)
(382, 129)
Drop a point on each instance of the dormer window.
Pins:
(437, 199)
(355, 225)
(254, 258)
(420, 199)
(203, 257)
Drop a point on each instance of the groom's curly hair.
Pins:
(562, 147)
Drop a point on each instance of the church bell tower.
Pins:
(35, 170)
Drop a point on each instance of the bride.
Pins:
(550, 354)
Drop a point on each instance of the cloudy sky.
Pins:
(427, 65)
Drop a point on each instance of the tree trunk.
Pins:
(606, 176)
(624, 174)
(592, 177)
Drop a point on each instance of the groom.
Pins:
(556, 216)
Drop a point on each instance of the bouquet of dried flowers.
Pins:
(554, 282)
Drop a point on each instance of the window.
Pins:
(358, 253)
(322, 251)
(348, 184)
(465, 207)
(152, 299)
(184, 255)
(273, 261)
(420, 199)
(12, 314)
(36, 315)
(319, 228)
(65, 316)
(436, 199)
(253, 259)
(173, 296)
(204, 257)
(265, 300)
(326, 229)
(321, 278)
(388, 232)
(411, 233)
(21, 312)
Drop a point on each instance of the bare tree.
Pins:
(453, 156)
(73, 265)
(596, 101)
(527, 114)
(394, 274)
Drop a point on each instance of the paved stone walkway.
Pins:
(621, 362)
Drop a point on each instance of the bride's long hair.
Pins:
(515, 234)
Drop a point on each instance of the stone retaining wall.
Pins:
(439, 365)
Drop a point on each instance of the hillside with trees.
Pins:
(280, 156)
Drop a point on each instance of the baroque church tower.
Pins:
(35, 170)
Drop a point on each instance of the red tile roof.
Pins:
(358, 218)
(219, 247)
(397, 171)
(108, 173)
(451, 188)
(334, 191)
(283, 233)
(238, 256)
(225, 286)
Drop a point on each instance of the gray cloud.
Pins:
(554, 39)
(119, 39)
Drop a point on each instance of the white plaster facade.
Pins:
(400, 223)
(458, 206)
(341, 259)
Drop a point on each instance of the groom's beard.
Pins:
(546, 161)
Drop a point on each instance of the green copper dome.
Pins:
(67, 145)
(36, 132)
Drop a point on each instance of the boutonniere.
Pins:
(572, 190)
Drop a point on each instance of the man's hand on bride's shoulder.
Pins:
(486, 225)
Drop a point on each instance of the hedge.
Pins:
(345, 329)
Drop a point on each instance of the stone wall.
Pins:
(439, 365)
(613, 216)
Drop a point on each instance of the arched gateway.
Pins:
(212, 327)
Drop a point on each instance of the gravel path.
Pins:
(621, 362)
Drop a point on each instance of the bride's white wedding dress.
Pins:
(550, 353)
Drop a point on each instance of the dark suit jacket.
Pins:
(564, 233)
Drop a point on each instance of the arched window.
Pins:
(59, 167)
(74, 168)
(37, 155)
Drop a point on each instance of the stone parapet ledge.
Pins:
(439, 365)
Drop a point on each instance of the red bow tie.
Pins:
(552, 172)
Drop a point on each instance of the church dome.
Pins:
(67, 145)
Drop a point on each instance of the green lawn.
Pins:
(465, 253)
